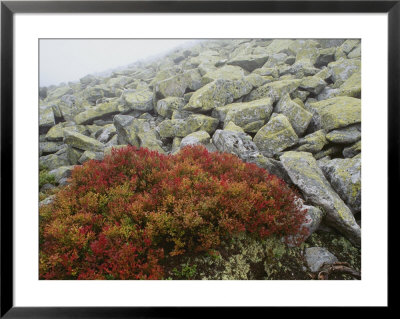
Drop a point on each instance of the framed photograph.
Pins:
(158, 156)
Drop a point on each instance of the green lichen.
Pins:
(217, 93)
(182, 128)
(342, 69)
(338, 112)
(351, 87)
(167, 106)
(298, 117)
(227, 72)
(275, 136)
(233, 127)
(306, 174)
(243, 114)
(82, 142)
(253, 127)
(178, 84)
(313, 142)
(97, 112)
(274, 90)
(56, 133)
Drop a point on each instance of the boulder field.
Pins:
(290, 106)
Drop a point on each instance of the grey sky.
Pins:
(69, 60)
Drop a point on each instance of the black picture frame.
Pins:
(9, 8)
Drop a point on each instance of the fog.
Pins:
(64, 60)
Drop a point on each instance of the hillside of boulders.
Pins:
(292, 107)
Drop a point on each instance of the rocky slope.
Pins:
(291, 106)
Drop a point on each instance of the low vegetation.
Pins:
(134, 214)
(45, 177)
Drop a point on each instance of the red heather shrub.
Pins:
(119, 218)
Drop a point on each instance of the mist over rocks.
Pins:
(279, 103)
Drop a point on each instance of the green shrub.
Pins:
(187, 271)
(45, 178)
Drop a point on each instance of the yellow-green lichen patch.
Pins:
(342, 69)
(167, 106)
(352, 150)
(348, 45)
(217, 93)
(227, 72)
(198, 122)
(199, 137)
(356, 53)
(58, 92)
(149, 140)
(168, 128)
(163, 74)
(345, 177)
(271, 72)
(313, 142)
(92, 94)
(233, 127)
(305, 173)
(182, 128)
(324, 74)
(274, 90)
(346, 135)
(253, 127)
(243, 114)
(298, 117)
(275, 136)
(256, 80)
(208, 97)
(337, 112)
(313, 84)
(299, 102)
(178, 84)
(98, 112)
(46, 118)
(82, 142)
(56, 133)
(281, 46)
(53, 161)
(352, 86)
(119, 82)
(141, 100)
(73, 154)
(221, 111)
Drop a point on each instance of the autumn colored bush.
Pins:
(119, 218)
